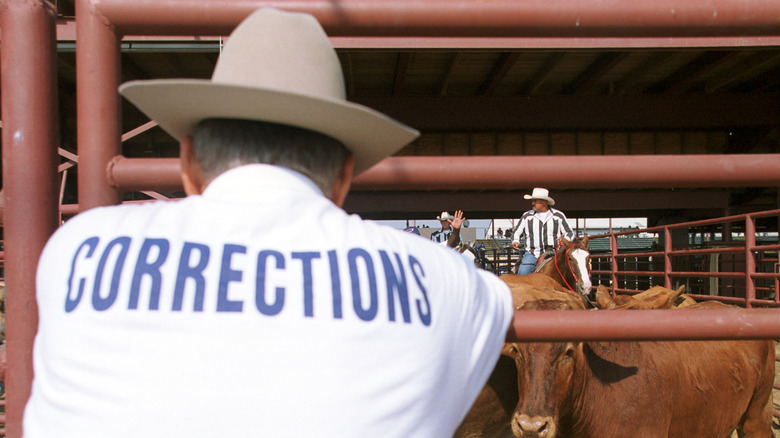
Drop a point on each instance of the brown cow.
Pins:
(491, 413)
(643, 389)
(657, 297)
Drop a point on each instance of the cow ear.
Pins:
(573, 349)
(509, 350)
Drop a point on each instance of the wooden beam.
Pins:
(500, 69)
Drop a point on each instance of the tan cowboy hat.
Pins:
(540, 193)
(276, 67)
(445, 216)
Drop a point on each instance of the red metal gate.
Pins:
(726, 259)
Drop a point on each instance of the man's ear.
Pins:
(343, 182)
(191, 174)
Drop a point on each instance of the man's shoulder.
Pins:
(557, 213)
(110, 220)
(118, 212)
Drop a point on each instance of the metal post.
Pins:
(98, 103)
(667, 257)
(30, 139)
(614, 247)
(750, 260)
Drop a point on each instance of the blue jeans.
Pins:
(528, 264)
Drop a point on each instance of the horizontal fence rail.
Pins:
(727, 259)
(646, 325)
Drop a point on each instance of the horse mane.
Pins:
(581, 241)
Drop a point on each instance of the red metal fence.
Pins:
(732, 259)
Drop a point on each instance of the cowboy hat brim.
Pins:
(549, 200)
(177, 105)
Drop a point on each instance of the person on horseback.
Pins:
(449, 233)
(542, 227)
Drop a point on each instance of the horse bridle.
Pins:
(568, 263)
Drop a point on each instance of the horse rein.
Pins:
(568, 264)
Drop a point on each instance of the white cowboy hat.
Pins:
(540, 193)
(445, 216)
(276, 67)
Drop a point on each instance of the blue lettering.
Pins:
(417, 271)
(195, 272)
(394, 285)
(71, 303)
(98, 302)
(260, 302)
(151, 268)
(335, 284)
(369, 313)
(227, 276)
(308, 298)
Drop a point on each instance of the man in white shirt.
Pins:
(210, 316)
(542, 227)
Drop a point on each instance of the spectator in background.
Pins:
(449, 234)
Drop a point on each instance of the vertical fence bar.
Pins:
(750, 260)
(613, 244)
(667, 257)
(98, 105)
(30, 139)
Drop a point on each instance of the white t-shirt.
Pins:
(213, 318)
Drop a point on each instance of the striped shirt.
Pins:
(541, 233)
(441, 236)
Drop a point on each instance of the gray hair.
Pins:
(221, 144)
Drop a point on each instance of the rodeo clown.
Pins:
(212, 317)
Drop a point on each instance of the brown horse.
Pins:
(568, 267)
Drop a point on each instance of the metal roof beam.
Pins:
(570, 112)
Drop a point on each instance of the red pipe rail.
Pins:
(30, 140)
(623, 18)
(98, 109)
(501, 172)
(646, 325)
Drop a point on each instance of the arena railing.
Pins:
(733, 259)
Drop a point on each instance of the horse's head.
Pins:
(476, 253)
(573, 263)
